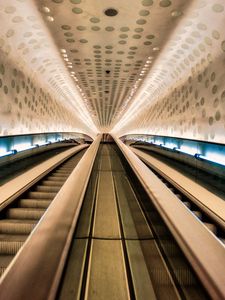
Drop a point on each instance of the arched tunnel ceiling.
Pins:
(156, 67)
(108, 53)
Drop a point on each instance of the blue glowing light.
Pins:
(170, 145)
(23, 146)
(191, 150)
(158, 142)
(216, 158)
(2, 154)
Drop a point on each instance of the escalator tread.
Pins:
(18, 220)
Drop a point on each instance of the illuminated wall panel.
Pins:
(184, 93)
(37, 93)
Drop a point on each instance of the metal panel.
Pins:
(107, 273)
(132, 217)
(106, 225)
(71, 288)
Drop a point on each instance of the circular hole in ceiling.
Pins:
(95, 28)
(111, 12)
(124, 29)
(165, 3)
(94, 20)
(109, 28)
(138, 29)
(147, 43)
(147, 2)
(65, 27)
(97, 46)
(141, 21)
(144, 12)
(77, 10)
(81, 28)
(123, 36)
(122, 42)
(75, 1)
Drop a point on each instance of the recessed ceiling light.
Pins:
(111, 12)
(46, 9)
(50, 19)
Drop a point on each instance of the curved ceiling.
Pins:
(108, 56)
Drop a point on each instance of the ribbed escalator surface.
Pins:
(18, 220)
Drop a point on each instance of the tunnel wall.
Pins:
(194, 109)
(37, 93)
(26, 106)
(184, 94)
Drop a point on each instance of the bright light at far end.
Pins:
(192, 150)
(23, 146)
(213, 156)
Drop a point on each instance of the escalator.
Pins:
(19, 218)
(121, 248)
(104, 237)
(14, 168)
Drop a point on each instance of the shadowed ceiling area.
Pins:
(139, 66)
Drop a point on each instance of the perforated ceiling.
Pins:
(109, 55)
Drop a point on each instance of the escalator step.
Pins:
(45, 188)
(179, 196)
(56, 178)
(23, 213)
(8, 227)
(211, 227)
(187, 204)
(10, 247)
(32, 203)
(41, 195)
(198, 214)
(13, 237)
(69, 169)
(52, 183)
(4, 262)
(19, 221)
(55, 175)
(62, 172)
